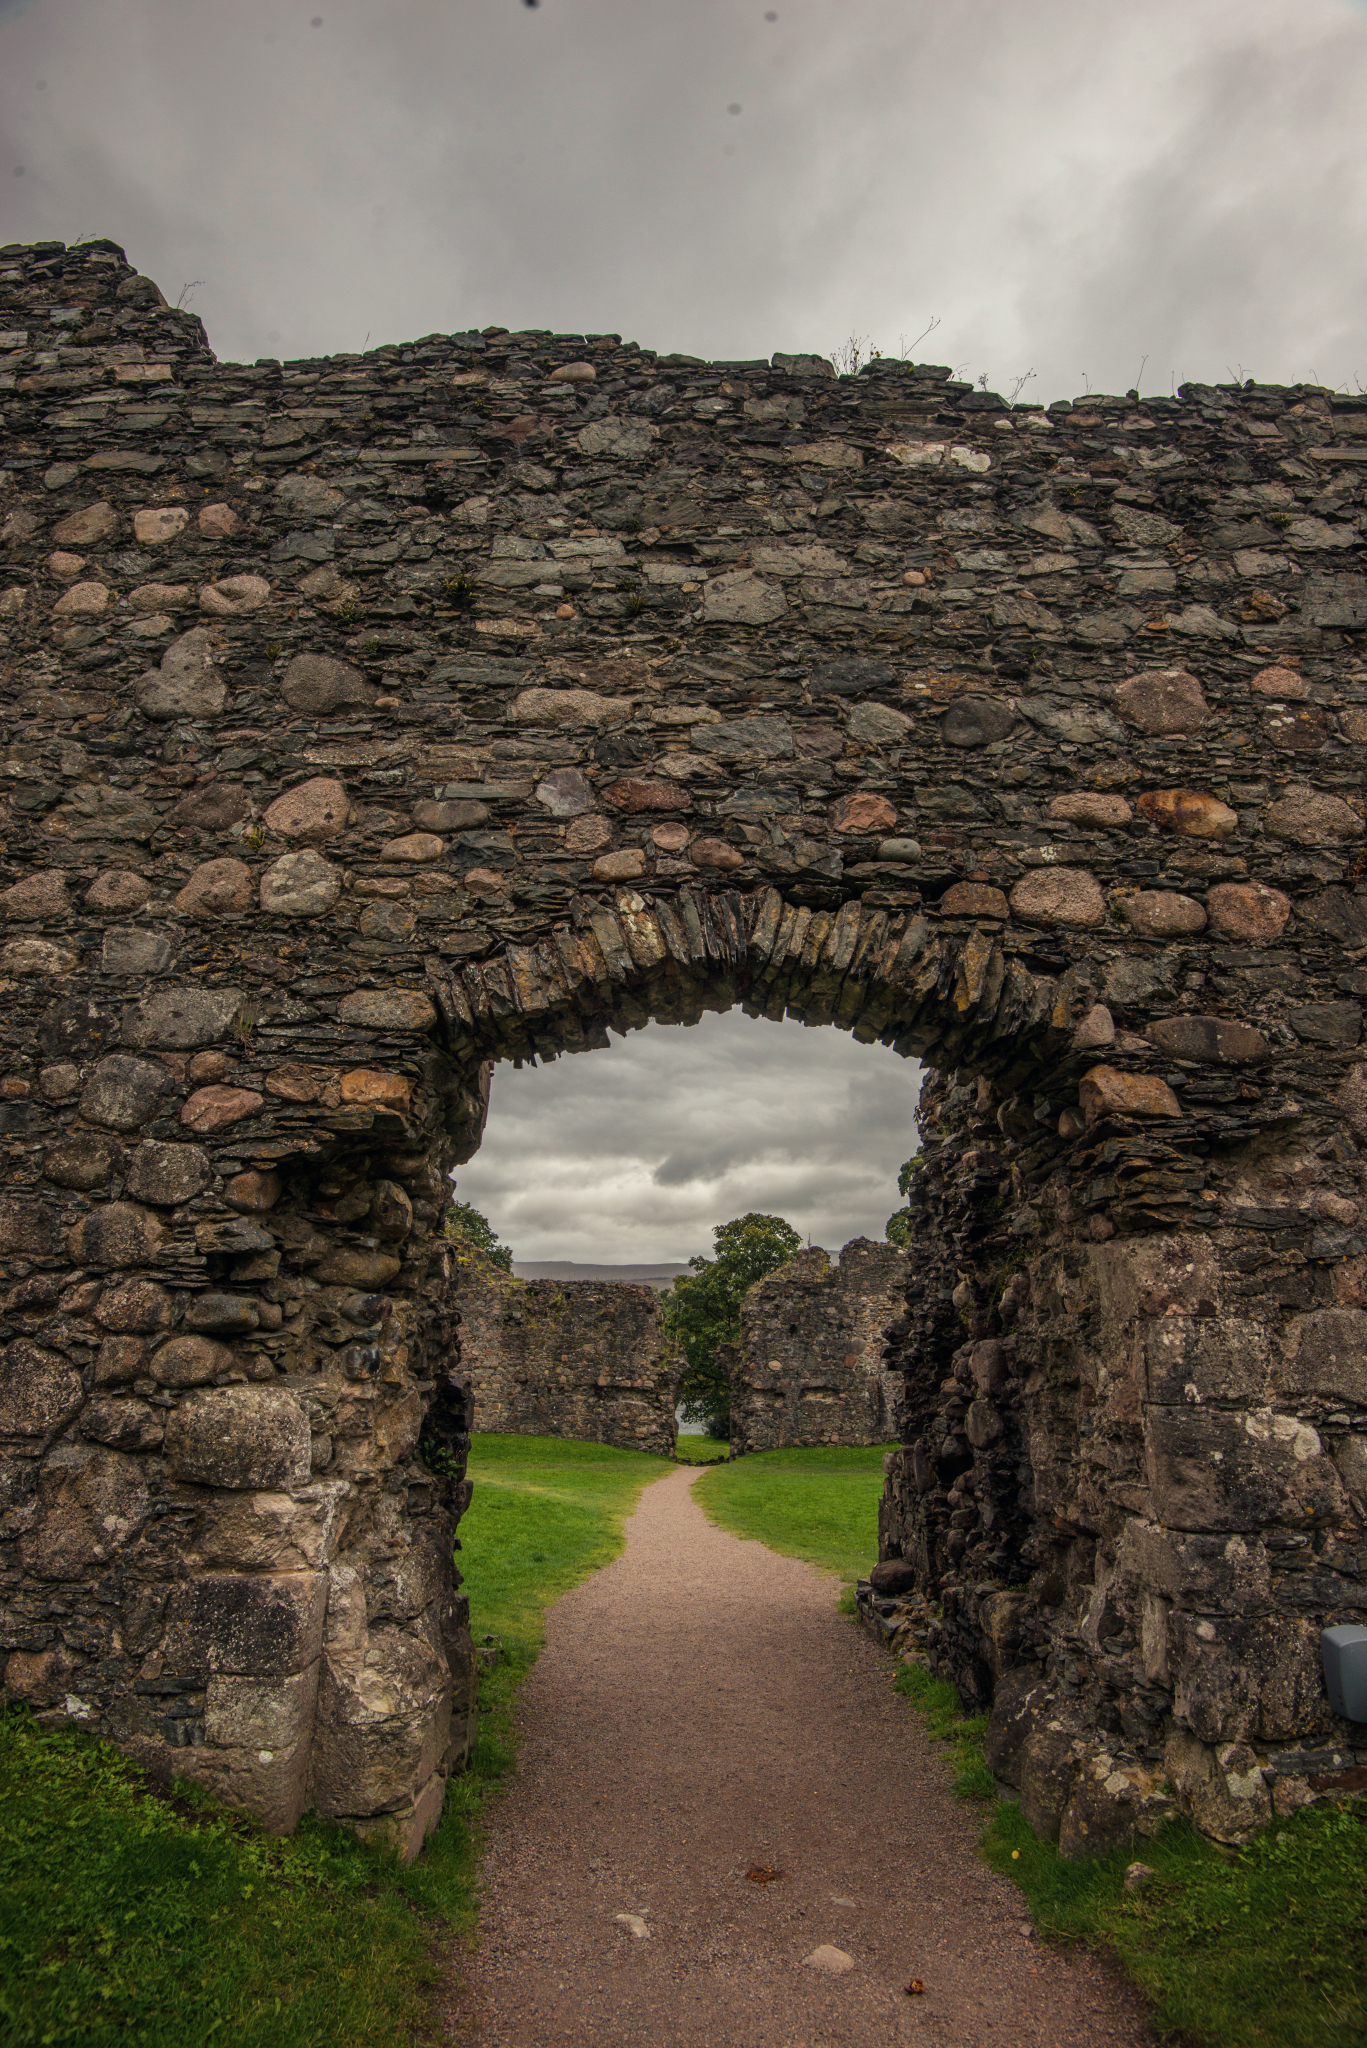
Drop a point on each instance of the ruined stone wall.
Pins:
(372, 719)
(578, 1358)
(808, 1368)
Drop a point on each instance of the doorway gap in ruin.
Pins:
(606, 1175)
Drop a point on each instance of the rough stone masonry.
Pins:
(376, 718)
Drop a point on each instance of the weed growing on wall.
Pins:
(898, 1227)
(465, 1224)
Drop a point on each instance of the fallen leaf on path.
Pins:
(760, 1873)
(915, 1988)
(639, 1930)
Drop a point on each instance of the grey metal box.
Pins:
(1345, 1670)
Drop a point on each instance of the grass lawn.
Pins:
(1261, 1947)
(131, 1921)
(819, 1505)
(702, 1450)
(127, 1918)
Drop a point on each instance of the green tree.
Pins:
(703, 1309)
(897, 1229)
(464, 1222)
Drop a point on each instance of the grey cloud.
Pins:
(682, 1169)
(1068, 187)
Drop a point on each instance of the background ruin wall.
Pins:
(808, 1368)
(372, 719)
(576, 1358)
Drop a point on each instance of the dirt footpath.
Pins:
(700, 1707)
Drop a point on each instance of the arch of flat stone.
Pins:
(954, 997)
(361, 1559)
(297, 1565)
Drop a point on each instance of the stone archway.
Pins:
(374, 719)
(271, 1473)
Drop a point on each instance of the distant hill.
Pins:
(661, 1276)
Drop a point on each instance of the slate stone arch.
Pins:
(374, 719)
(885, 975)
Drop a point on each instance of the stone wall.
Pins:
(371, 719)
(1135, 1471)
(809, 1365)
(577, 1358)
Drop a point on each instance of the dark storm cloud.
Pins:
(1069, 188)
(637, 1152)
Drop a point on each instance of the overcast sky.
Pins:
(1068, 186)
(635, 1153)
(1093, 192)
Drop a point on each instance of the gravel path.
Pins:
(701, 1707)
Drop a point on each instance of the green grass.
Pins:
(126, 1918)
(1260, 1947)
(702, 1450)
(938, 1702)
(131, 1921)
(819, 1505)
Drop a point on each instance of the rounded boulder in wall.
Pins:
(1069, 897)
(88, 527)
(565, 793)
(123, 1092)
(1160, 701)
(1308, 817)
(1188, 812)
(187, 684)
(190, 1362)
(157, 524)
(318, 685)
(1100, 809)
(312, 811)
(41, 895)
(300, 885)
(976, 722)
(167, 1174)
(1161, 913)
(117, 1234)
(82, 1159)
(118, 890)
(134, 952)
(217, 888)
(178, 1019)
(134, 1307)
